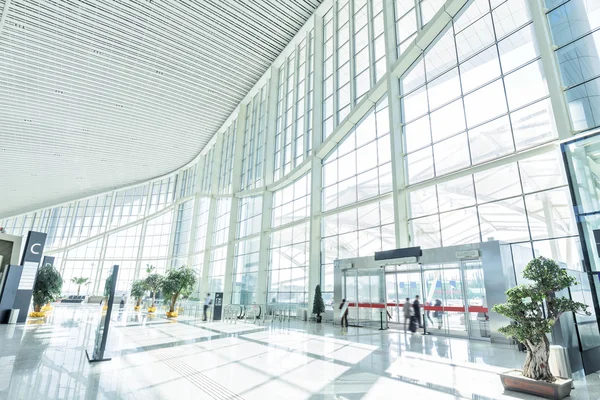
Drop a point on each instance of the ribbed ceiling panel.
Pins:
(99, 94)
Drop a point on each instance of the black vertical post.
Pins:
(102, 336)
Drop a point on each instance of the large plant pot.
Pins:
(151, 309)
(173, 314)
(37, 314)
(514, 380)
(319, 318)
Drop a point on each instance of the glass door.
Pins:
(474, 291)
(393, 303)
(350, 293)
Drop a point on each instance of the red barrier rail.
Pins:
(428, 308)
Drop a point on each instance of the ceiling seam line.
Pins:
(4, 14)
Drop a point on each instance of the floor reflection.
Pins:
(157, 358)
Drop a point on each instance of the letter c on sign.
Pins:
(33, 248)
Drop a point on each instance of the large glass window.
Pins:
(292, 203)
(477, 94)
(356, 232)
(183, 227)
(516, 202)
(360, 167)
(288, 265)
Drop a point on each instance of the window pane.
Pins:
(526, 85)
(457, 193)
(542, 172)
(475, 38)
(490, 141)
(447, 121)
(518, 49)
(497, 183)
(460, 227)
(510, 16)
(420, 165)
(414, 105)
(485, 104)
(481, 69)
(534, 124)
(550, 214)
(426, 232)
(504, 220)
(443, 89)
(417, 134)
(423, 202)
(451, 154)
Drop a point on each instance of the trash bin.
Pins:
(14, 316)
(559, 362)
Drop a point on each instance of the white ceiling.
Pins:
(99, 94)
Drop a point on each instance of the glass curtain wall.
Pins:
(473, 145)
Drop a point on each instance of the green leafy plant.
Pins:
(153, 283)
(318, 304)
(80, 281)
(138, 290)
(47, 288)
(177, 282)
(525, 307)
(149, 268)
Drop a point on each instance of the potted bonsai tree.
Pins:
(531, 325)
(153, 283)
(47, 288)
(318, 304)
(176, 282)
(80, 281)
(138, 290)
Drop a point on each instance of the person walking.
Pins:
(438, 313)
(416, 305)
(345, 314)
(428, 313)
(407, 312)
(207, 303)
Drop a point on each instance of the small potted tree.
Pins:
(525, 306)
(138, 290)
(47, 288)
(80, 281)
(153, 283)
(318, 304)
(177, 281)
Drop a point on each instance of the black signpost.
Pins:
(48, 261)
(102, 330)
(34, 248)
(218, 308)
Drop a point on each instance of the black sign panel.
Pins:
(218, 307)
(48, 260)
(102, 330)
(34, 247)
(398, 253)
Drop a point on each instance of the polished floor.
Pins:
(188, 359)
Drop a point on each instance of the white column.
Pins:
(212, 210)
(234, 213)
(269, 137)
(551, 71)
(393, 93)
(314, 256)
